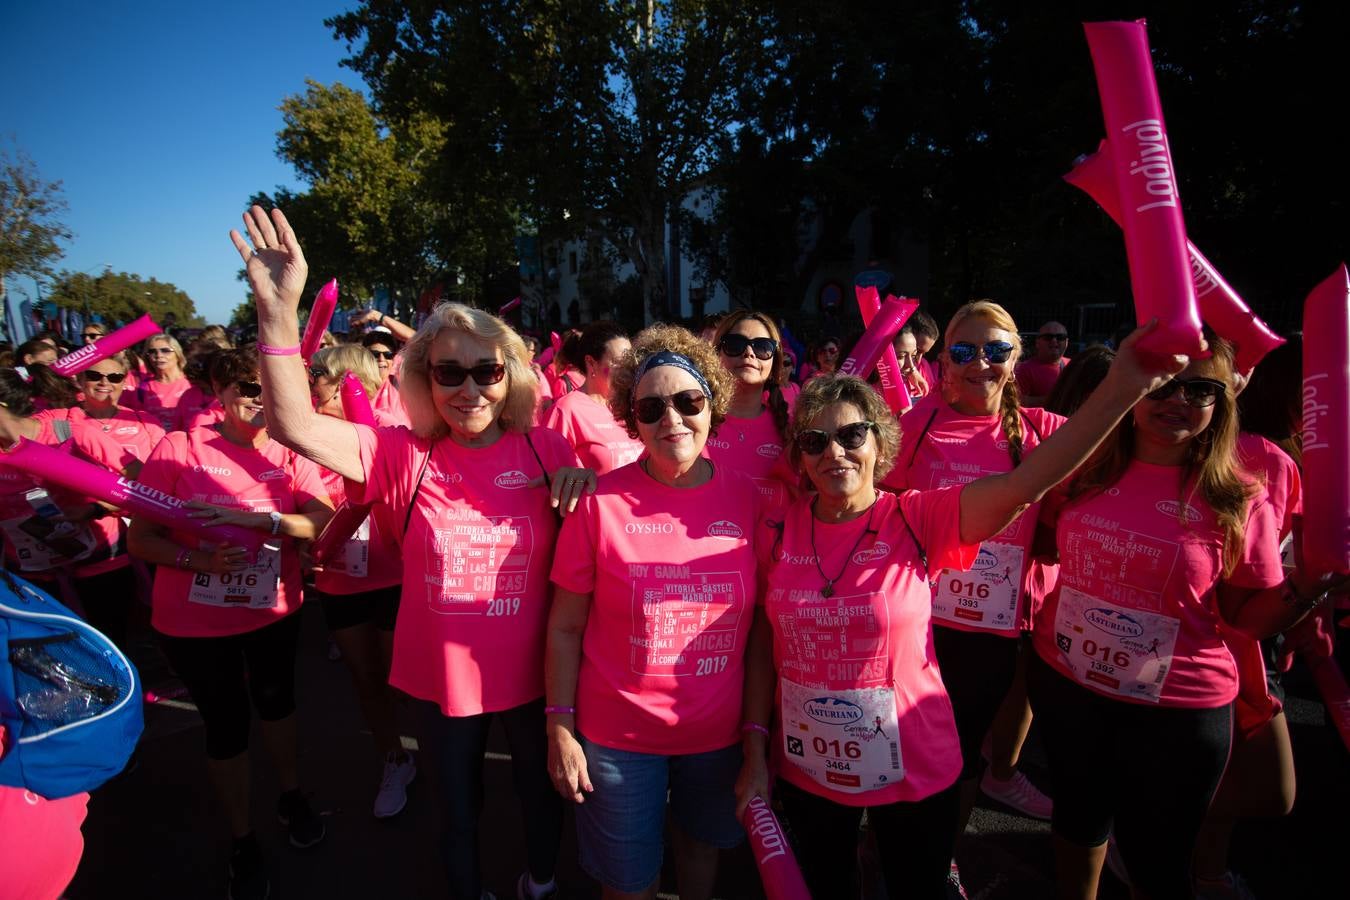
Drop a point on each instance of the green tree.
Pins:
(31, 230)
(122, 296)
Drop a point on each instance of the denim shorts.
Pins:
(621, 824)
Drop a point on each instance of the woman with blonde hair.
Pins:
(160, 393)
(476, 488)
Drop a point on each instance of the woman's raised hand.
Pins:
(275, 265)
(1144, 371)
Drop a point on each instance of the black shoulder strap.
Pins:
(923, 557)
(529, 443)
(914, 448)
(412, 501)
(1032, 425)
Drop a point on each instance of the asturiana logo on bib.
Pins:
(1113, 622)
(1177, 509)
(273, 475)
(512, 480)
(832, 710)
(984, 561)
(769, 451)
(725, 529)
(876, 553)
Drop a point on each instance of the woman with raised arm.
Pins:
(478, 487)
(841, 662)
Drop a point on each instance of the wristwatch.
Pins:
(276, 521)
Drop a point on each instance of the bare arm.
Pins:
(404, 333)
(276, 272)
(990, 504)
(1260, 614)
(562, 662)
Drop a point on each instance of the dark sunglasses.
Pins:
(250, 389)
(156, 351)
(1052, 336)
(994, 352)
(735, 344)
(1197, 392)
(453, 374)
(649, 410)
(91, 334)
(814, 442)
(111, 377)
(383, 354)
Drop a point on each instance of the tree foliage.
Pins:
(31, 230)
(121, 297)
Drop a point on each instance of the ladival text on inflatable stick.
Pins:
(1326, 425)
(1155, 234)
(77, 361)
(888, 367)
(878, 336)
(355, 402)
(773, 856)
(85, 478)
(1220, 306)
(338, 531)
(319, 316)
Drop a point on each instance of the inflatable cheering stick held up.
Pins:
(110, 344)
(888, 366)
(1220, 306)
(1326, 425)
(773, 856)
(325, 302)
(1155, 234)
(890, 318)
(355, 401)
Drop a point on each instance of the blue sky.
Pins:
(160, 120)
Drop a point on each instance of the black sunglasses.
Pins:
(649, 410)
(993, 351)
(156, 351)
(383, 354)
(1197, 392)
(814, 442)
(453, 374)
(316, 374)
(735, 344)
(91, 334)
(111, 377)
(250, 389)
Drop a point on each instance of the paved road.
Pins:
(156, 832)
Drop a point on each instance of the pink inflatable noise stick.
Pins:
(878, 336)
(1145, 179)
(355, 401)
(77, 361)
(773, 856)
(338, 531)
(888, 366)
(90, 480)
(325, 302)
(1220, 306)
(1326, 425)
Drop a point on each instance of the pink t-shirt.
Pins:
(191, 405)
(1036, 378)
(753, 446)
(212, 414)
(601, 442)
(159, 398)
(388, 405)
(202, 465)
(1284, 483)
(864, 718)
(941, 447)
(370, 559)
(42, 846)
(671, 574)
(125, 437)
(471, 623)
(1134, 615)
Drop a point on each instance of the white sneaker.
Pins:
(393, 793)
(1017, 792)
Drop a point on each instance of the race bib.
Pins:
(355, 559)
(845, 740)
(986, 595)
(40, 545)
(252, 588)
(1122, 651)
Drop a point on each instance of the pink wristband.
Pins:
(747, 727)
(560, 710)
(268, 350)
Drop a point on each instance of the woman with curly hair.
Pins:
(654, 586)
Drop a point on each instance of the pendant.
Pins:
(828, 590)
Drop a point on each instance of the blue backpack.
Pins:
(69, 699)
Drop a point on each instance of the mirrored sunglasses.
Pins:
(453, 374)
(111, 377)
(735, 344)
(649, 410)
(814, 441)
(1197, 392)
(994, 352)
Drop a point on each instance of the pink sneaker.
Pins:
(1018, 793)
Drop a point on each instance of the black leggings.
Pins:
(914, 841)
(221, 673)
(1148, 772)
(459, 743)
(977, 670)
